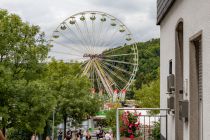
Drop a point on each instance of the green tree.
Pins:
(73, 93)
(149, 62)
(24, 97)
(149, 95)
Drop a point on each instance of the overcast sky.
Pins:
(138, 15)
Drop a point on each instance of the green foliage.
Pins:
(149, 95)
(156, 131)
(149, 62)
(72, 93)
(111, 119)
(15, 134)
(25, 99)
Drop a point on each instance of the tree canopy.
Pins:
(30, 88)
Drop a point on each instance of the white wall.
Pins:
(196, 17)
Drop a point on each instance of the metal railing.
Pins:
(151, 121)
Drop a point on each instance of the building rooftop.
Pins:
(163, 6)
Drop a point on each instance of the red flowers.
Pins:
(131, 136)
(130, 124)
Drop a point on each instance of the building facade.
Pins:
(185, 68)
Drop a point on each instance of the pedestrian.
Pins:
(48, 138)
(97, 133)
(79, 134)
(33, 137)
(68, 135)
(101, 133)
(84, 135)
(2, 136)
(88, 136)
(60, 134)
(108, 136)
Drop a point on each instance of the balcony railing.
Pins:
(151, 120)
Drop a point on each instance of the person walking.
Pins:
(84, 135)
(48, 138)
(79, 134)
(68, 135)
(97, 134)
(60, 134)
(101, 134)
(108, 136)
(88, 136)
(33, 137)
(2, 136)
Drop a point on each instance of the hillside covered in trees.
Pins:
(149, 62)
(146, 85)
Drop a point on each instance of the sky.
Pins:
(138, 15)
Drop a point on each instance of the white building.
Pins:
(185, 55)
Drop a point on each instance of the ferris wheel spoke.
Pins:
(66, 37)
(118, 68)
(65, 53)
(111, 38)
(110, 78)
(97, 81)
(122, 62)
(70, 48)
(121, 35)
(114, 74)
(114, 83)
(115, 43)
(114, 49)
(82, 35)
(120, 55)
(100, 41)
(88, 33)
(103, 78)
(93, 36)
(91, 72)
(82, 65)
(103, 34)
(99, 33)
(76, 36)
(87, 67)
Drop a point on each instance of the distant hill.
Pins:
(149, 62)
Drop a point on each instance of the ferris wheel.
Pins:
(103, 46)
